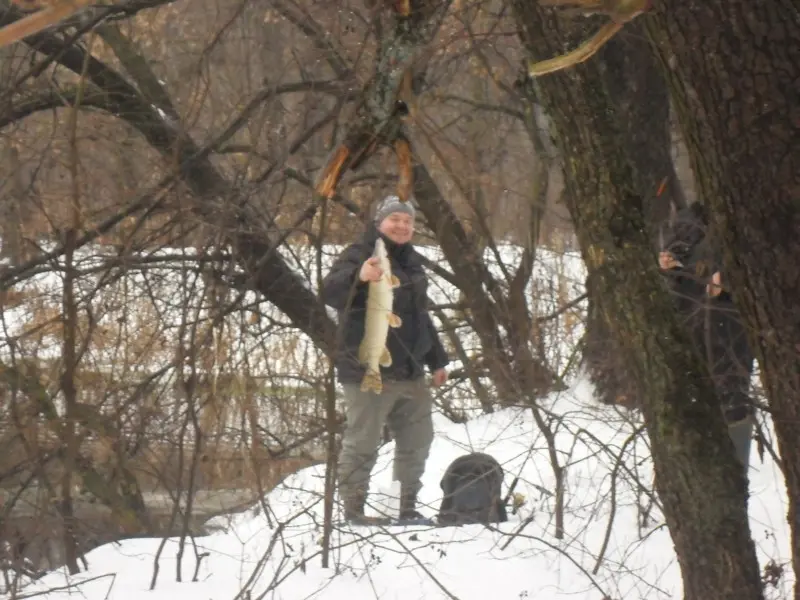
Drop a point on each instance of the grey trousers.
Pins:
(406, 406)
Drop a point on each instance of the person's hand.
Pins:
(714, 288)
(370, 270)
(667, 261)
(439, 377)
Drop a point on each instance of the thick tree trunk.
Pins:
(635, 85)
(637, 89)
(734, 69)
(701, 485)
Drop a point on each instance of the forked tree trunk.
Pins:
(701, 486)
(734, 68)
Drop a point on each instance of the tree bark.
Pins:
(636, 87)
(702, 487)
(733, 68)
(388, 99)
(11, 202)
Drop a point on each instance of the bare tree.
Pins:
(744, 153)
(200, 240)
(698, 479)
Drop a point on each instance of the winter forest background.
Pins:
(164, 355)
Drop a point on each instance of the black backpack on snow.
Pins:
(472, 487)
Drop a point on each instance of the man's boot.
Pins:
(354, 510)
(408, 506)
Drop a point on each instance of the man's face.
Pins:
(398, 227)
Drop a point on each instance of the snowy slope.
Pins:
(280, 557)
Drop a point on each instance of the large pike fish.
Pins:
(373, 352)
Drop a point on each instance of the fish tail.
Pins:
(372, 382)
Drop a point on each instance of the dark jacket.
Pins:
(415, 344)
(714, 322)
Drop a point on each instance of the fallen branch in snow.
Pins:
(427, 571)
(71, 586)
(528, 520)
(561, 551)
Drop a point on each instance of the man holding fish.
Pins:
(379, 288)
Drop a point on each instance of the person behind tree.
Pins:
(405, 403)
(692, 263)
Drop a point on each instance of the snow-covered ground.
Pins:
(279, 555)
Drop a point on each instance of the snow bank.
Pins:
(277, 554)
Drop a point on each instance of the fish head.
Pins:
(380, 249)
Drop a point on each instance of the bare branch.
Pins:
(317, 34)
(483, 106)
(267, 270)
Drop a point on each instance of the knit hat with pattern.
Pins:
(392, 204)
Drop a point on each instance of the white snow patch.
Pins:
(280, 557)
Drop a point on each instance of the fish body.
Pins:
(373, 352)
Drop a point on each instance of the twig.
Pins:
(569, 557)
(571, 304)
(69, 586)
(614, 474)
(427, 571)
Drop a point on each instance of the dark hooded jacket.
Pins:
(412, 346)
(714, 322)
